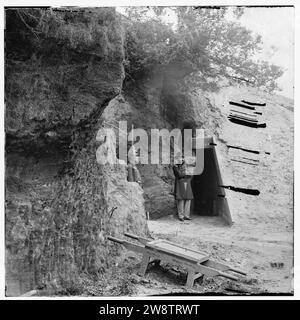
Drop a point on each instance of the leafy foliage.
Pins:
(40, 31)
(204, 42)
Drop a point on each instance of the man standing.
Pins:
(133, 172)
(183, 190)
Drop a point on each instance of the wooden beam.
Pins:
(190, 278)
(241, 105)
(144, 264)
(247, 114)
(201, 255)
(253, 164)
(222, 267)
(214, 272)
(128, 245)
(254, 103)
(138, 238)
(227, 215)
(242, 118)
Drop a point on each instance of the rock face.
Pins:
(127, 200)
(156, 179)
(58, 198)
(157, 101)
(272, 172)
(64, 80)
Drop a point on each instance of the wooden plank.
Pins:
(255, 160)
(245, 113)
(139, 238)
(179, 246)
(222, 267)
(175, 250)
(180, 261)
(254, 103)
(226, 215)
(213, 272)
(216, 265)
(236, 116)
(207, 268)
(134, 247)
(128, 245)
(182, 256)
(243, 149)
(181, 250)
(180, 253)
(215, 154)
(190, 278)
(144, 263)
(197, 275)
(241, 105)
(241, 161)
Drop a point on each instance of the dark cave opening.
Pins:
(205, 187)
(209, 197)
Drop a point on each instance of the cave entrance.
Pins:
(209, 197)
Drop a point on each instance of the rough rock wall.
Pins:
(30, 184)
(65, 79)
(142, 107)
(271, 170)
(157, 101)
(58, 199)
(127, 200)
(153, 104)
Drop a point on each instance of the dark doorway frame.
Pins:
(220, 203)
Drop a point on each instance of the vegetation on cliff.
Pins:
(203, 40)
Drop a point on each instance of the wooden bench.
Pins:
(195, 262)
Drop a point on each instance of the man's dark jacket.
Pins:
(183, 189)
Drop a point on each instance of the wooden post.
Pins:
(190, 279)
(144, 264)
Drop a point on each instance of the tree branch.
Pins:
(30, 28)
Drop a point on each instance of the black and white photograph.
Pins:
(149, 151)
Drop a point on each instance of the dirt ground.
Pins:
(264, 253)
